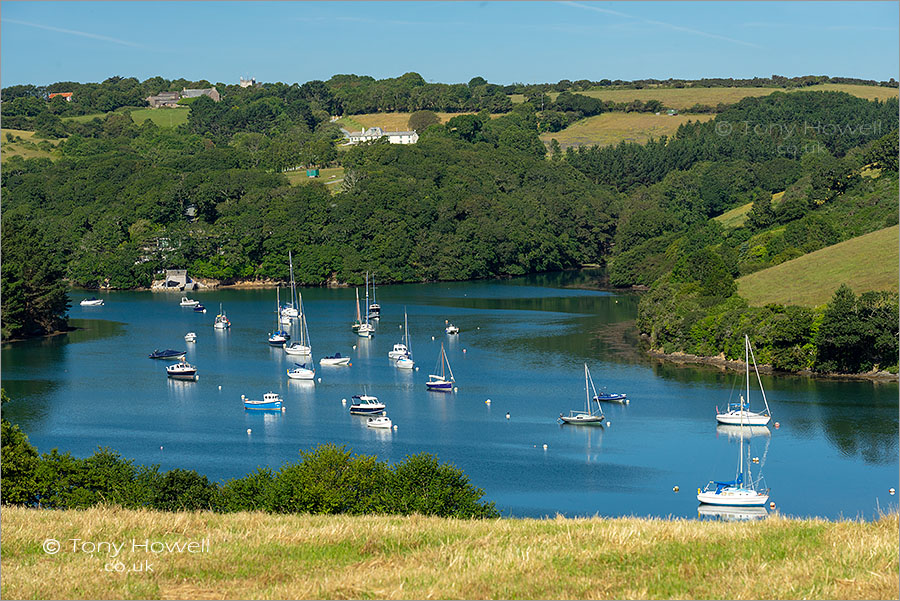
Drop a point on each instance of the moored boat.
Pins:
(335, 359)
(270, 402)
(364, 404)
(444, 381)
(167, 354)
(451, 329)
(222, 322)
(739, 414)
(182, 370)
(586, 417)
(190, 337)
(92, 302)
(301, 372)
(186, 302)
(199, 309)
(379, 422)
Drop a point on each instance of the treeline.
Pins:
(326, 480)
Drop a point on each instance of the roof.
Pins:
(63, 94)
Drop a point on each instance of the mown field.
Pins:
(165, 117)
(331, 177)
(612, 128)
(684, 98)
(738, 215)
(27, 147)
(864, 263)
(257, 556)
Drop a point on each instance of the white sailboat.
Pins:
(739, 413)
(743, 491)
(374, 308)
(440, 381)
(279, 336)
(366, 330)
(587, 416)
(221, 322)
(358, 321)
(290, 310)
(304, 346)
(406, 361)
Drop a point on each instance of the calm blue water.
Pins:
(522, 344)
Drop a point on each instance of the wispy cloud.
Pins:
(84, 34)
(671, 26)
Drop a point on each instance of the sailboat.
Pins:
(742, 491)
(587, 416)
(358, 321)
(279, 337)
(406, 361)
(400, 349)
(374, 308)
(366, 330)
(221, 322)
(440, 382)
(290, 309)
(304, 347)
(739, 413)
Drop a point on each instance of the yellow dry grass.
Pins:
(26, 148)
(257, 556)
(738, 215)
(684, 98)
(612, 128)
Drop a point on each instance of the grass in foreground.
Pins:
(612, 128)
(864, 263)
(338, 557)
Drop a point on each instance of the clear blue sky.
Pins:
(504, 42)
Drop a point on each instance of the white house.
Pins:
(374, 133)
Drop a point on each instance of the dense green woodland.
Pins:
(475, 197)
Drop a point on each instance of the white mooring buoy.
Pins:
(249, 430)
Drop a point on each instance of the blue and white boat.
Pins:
(183, 370)
(167, 354)
(279, 336)
(200, 309)
(441, 382)
(221, 322)
(612, 397)
(301, 372)
(364, 404)
(270, 402)
(406, 361)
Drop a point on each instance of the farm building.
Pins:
(374, 133)
(66, 95)
(211, 92)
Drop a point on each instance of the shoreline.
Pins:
(722, 363)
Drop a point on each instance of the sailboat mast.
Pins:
(358, 316)
(587, 394)
(367, 298)
(759, 380)
(293, 286)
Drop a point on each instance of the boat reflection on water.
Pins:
(304, 385)
(731, 514)
(735, 432)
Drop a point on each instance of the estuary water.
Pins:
(522, 344)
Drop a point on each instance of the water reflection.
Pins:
(731, 514)
(747, 432)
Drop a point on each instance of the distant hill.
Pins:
(865, 263)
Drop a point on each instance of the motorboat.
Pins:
(199, 309)
(92, 302)
(364, 404)
(398, 351)
(186, 302)
(182, 370)
(383, 422)
(336, 359)
(190, 337)
(167, 354)
(278, 338)
(301, 372)
(451, 329)
(612, 397)
(270, 402)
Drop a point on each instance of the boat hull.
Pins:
(733, 497)
(91, 303)
(363, 410)
(405, 363)
(746, 418)
(334, 361)
(297, 350)
(379, 422)
(592, 420)
(263, 406)
(439, 386)
(301, 374)
(612, 398)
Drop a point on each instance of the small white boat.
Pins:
(289, 310)
(451, 329)
(398, 351)
(181, 370)
(297, 348)
(186, 302)
(92, 302)
(586, 417)
(379, 422)
(301, 372)
(405, 361)
(190, 337)
(366, 329)
(337, 359)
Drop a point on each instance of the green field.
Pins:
(868, 262)
(684, 98)
(27, 148)
(165, 117)
(612, 128)
(331, 177)
(262, 556)
(738, 215)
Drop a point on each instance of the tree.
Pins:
(761, 215)
(420, 120)
(841, 337)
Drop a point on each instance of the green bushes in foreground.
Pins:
(327, 480)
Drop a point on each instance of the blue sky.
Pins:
(504, 42)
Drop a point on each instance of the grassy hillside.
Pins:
(166, 117)
(684, 98)
(256, 556)
(864, 263)
(738, 215)
(387, 121)
(25, 145)
(612, 128)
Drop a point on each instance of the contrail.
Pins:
(662, 24)
(84, 34)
